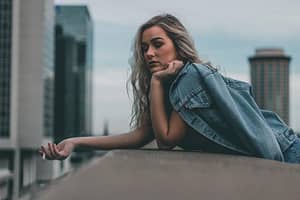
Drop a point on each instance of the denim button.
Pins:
(292, 154)
(292, 137)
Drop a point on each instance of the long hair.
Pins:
(140, 75)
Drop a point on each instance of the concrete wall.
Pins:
(145, 174)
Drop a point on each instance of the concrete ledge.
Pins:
(153, 174)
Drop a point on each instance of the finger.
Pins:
(175, 66)
(46, 153)
(41, 152)
(44, 150)
(55, 151)
(176, 63)
(170, 65)
(179, 64)
(41, 148)
(51, 150)
(165, 66)
(157, 69)
(170, 70)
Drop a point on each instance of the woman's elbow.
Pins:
(166, 144)
(163, 147)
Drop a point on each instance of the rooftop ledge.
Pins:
(154, 174)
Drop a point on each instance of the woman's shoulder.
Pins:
(191, 73)
(187, 84)
(188, 80)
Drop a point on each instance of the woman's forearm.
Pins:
(135, 139)
(159, 117)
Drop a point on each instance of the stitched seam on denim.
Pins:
(192, 94)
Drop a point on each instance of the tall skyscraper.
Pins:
(26, 87)
(73, 72)
(270, 79)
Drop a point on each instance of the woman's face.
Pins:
(157, 47)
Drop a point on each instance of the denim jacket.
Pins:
(224, 111)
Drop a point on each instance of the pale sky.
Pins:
(225, 32)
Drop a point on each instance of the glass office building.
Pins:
(5, 65)
(73, 71)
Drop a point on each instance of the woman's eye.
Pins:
(144, 48)
(158, 44)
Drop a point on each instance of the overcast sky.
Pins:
(225, 32)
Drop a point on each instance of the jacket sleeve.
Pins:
(243, 115)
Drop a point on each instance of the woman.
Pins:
(181, 101)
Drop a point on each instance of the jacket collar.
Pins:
(182, 71)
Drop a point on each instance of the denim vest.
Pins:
(224, 111)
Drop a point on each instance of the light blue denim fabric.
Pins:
(224, 110)
(292, 154)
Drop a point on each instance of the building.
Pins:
(66, 95)
(270, 79)
(5, 178)
(73, 72)
(26, 93)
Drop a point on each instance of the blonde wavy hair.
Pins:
(140, 75)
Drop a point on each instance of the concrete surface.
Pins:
(153, 174)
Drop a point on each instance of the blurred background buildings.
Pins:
(27, 76)
(41, 85)
(46, 69)
(73, 70)
(270, 78)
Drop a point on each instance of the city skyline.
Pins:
(226, 35)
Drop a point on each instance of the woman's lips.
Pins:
(153, 63)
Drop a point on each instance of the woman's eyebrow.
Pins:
(152, 40)
(156, 38)
(144, 44)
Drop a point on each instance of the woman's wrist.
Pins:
(155, 80)
(74, 141)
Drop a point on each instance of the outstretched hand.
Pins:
(168, 71)
(57, 152)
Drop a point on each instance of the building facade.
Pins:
(73, 71)
(66, 117)
(26, 91)
(269, 69)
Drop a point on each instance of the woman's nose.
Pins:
(150, 53)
